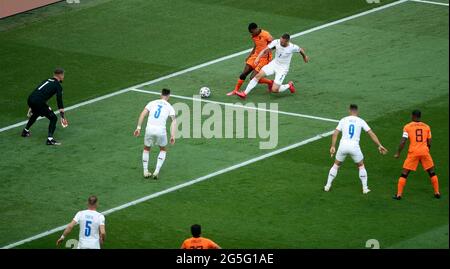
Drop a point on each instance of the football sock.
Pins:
(159, 163)
(363, 176)
(283, 88)
(238, 85)
(401, 184)
(145, 155)
(435, 183)
(50, 138)
(332, 174)
(265, 81)
(252, 84)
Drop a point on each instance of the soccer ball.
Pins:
(205, 92)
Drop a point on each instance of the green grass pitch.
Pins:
(388, 62)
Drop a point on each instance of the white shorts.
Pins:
(273, 68)
(348, 149)
(155, 137)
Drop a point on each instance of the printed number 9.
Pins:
(351, 130)
(157, 112)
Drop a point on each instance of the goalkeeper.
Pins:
(37, 102)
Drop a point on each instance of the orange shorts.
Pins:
(412, 160)
(262, 62)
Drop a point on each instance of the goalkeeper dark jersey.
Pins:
(46, 90)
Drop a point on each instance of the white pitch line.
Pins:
(221, 59)
(240, 106)
(183, 185)
(430, 2)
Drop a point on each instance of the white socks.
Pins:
(252, 84)
(283, 88)
(332, 174)
(363, 176)
(159, 163)
(145, 160)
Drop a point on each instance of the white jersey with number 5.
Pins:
(90, 222)
(283, 55)
(159, 111)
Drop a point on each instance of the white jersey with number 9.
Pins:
(351, 127)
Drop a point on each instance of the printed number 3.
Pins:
(158, 112)
(351, 130)
(87, 229)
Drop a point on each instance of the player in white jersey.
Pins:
(279, 66)
(155, 133)
(351, 127)
(92, 226)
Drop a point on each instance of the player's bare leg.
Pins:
(145, 157)
(401, 184)
(363, 177)
(160, 161)
(332, 175)
(434, 182)
(263, 80)
(247, 70)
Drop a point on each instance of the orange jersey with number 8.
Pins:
(418, 134)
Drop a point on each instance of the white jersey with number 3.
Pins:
(351, 127)
(159, 111)
(90, 222)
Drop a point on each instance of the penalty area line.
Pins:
(239, 106)
(430, 2)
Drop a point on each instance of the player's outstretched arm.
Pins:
(102, 234)
(400, 147)
(263, 52)
(375, 139)
(333, 142)
(144, 114)
(66, 232)
(304, 56)
(64, 122)
(172, 129)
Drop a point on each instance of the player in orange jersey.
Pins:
(198, 242)
(261, 39)
(419, 135)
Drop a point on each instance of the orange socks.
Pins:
(435, 183)
(238, 85)
(401, 185)
(265, 81)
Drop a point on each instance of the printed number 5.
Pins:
(87, 229)
(351, 130)
(158, 112)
